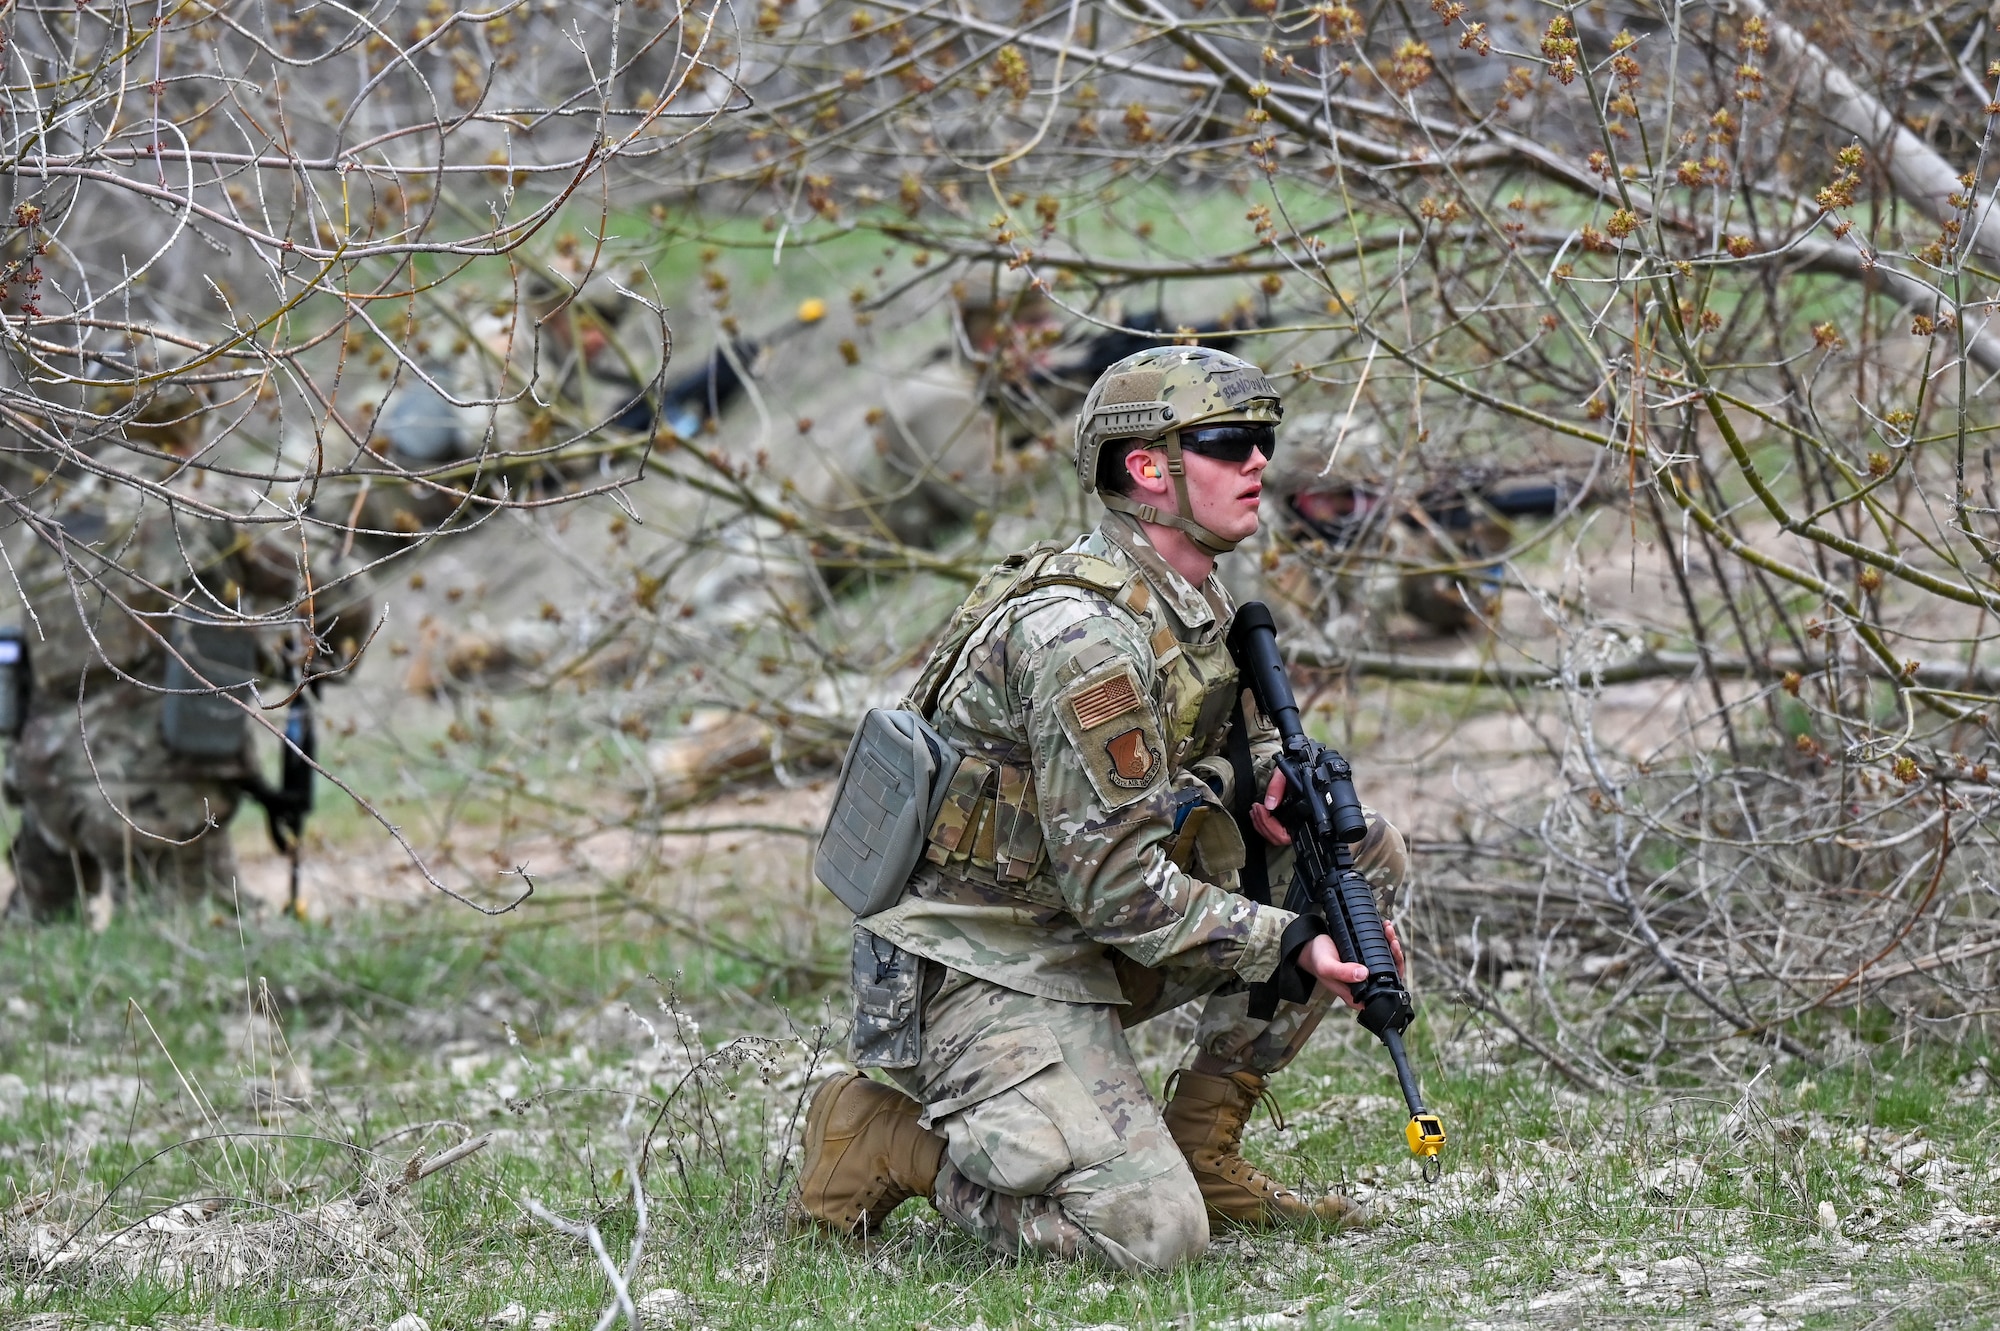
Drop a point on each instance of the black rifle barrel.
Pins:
(1253, 641)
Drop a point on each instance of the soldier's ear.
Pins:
(1144, 467)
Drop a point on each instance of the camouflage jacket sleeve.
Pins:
(1082, 685)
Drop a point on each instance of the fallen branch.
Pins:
(1647, 665)
(446, 1159)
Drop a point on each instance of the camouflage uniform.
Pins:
(1079, 880)
(106, 801)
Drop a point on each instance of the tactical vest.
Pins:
(989, 828)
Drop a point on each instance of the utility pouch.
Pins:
(888, 1003)
(892, 782)
(213, 668)
(14, 681)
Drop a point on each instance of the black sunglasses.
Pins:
(1231, 443)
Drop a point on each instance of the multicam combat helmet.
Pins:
(1154, 395)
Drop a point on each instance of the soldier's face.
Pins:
(1224, 495)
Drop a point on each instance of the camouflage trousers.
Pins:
(1053, 1143)
(127, 815)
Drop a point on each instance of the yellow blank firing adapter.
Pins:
(1425, 1133)
(812, 310)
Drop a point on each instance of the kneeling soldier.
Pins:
(1081, 876)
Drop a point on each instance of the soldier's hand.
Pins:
(1263, 814)
(1322, 959)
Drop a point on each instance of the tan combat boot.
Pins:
(865, 1155)
(1206, 1116)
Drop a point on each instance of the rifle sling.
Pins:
(1254, 879)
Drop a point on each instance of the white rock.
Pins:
(408, 1322)
(462, 1067)
(1678, 1270)
(1568, 1296)
(1671, 1180)
(663, 1307)
(1909, 1155)
(1829, 1220)
(1819, 1298)
(511, 1316)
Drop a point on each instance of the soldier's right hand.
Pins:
(1264, 813)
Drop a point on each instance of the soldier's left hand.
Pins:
(1263, 814)
(1322, 958)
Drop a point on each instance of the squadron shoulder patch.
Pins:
(1133, 758)
(1109, 719)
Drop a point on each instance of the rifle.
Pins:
(694, 397)
(690, 399)
(1103, 349)
(287, 804)
(1453, 508)
(1323, 814)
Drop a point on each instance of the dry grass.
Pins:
(211, 1125)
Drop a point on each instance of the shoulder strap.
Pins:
(1046, 565)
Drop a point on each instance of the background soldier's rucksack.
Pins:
(209, 670)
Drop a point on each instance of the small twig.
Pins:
(1474, 996)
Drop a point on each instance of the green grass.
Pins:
(138, 1069)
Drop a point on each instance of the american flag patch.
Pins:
(1101, 702)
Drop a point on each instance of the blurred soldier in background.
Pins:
(1369, 539)
(587, 352)
(593, 357)
(949, 442)
(147, 623)
(578, 363)
(963, 438)
(583, 374)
